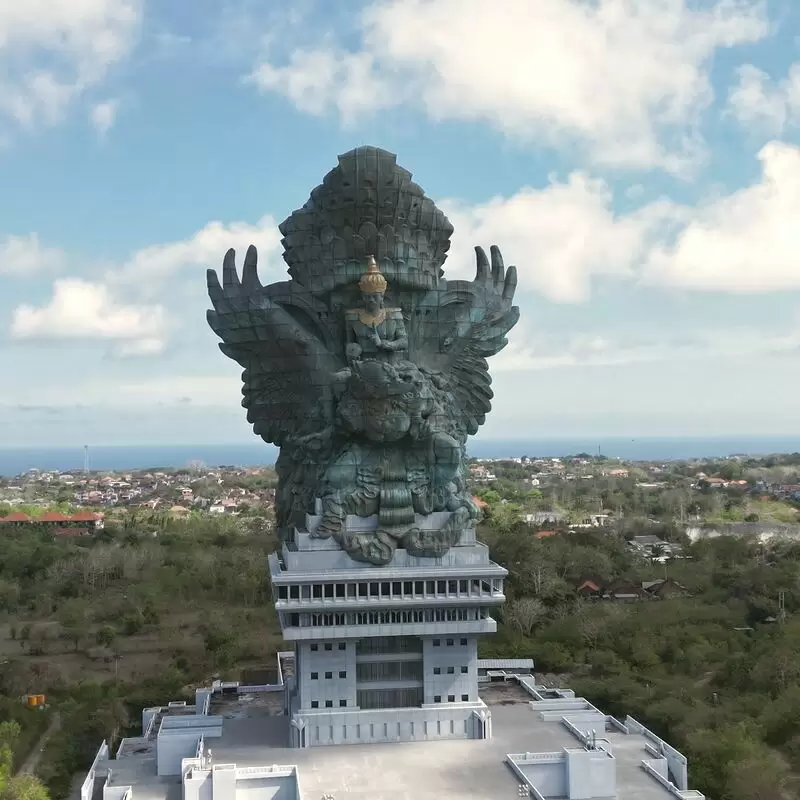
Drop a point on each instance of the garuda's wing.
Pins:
(469, 324)
(275, 334)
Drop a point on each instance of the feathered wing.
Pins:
(287, 368)
(470, 324)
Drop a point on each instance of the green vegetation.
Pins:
(711, 671)
(134, 615)
(151, 606)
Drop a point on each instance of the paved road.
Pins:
(35, 756)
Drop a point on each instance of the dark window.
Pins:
(436, 642)
(441, 587)
(343, 645)
(362, 589)
(340, 590)
(342, 673)
(373, 589)
(314, 676)
(315, 704)
(463, 642)
(316, 590)
(430, 587)
(385, 588)
(294, 592)
(451, 698)
(314, 648)
(464, 670)
(328, 646)
(328, 590)
(462, 587)
(464, 698)
(450, 642)
(397, 588)
(328, 676)
(437, 698)
(408, 587)
(419, 587)
(342, 703)
(329, 704)
(437, 670)
(282, 593)
(452, 587)
(451, 670)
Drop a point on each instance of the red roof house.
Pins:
(54, 517)
(16, 516)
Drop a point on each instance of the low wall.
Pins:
(87, 787)
(676, 761)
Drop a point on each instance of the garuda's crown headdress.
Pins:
(372, 282)
(366, 205)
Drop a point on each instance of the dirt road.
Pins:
(32, 761)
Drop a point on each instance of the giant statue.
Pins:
(367, 367)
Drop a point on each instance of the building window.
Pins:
(386, 588)
(317, 590)
(294, 592)
(329, 704)
(462, 587)
(282, 594)
(373, 589)
(436, 642)
(342, 673)
(314, 676)
(441, 587)
(437, 670)
(362, 589)
(343, 704)
(419, 587)
(328, 590)
(437, 698)
(314, 648)
(464, 698)
(452, 587)
(450, 642)
(451, 698)
(408, 588)
(328, 646)
(397, 588)
(343, 645)
(451, 670)
(340, 590)
(328, 676)
(464, 670)
(315, 704)
(463, 642)
(430, 587)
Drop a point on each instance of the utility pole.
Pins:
(86, 459)
(781, 606)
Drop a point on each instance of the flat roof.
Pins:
(254, 735)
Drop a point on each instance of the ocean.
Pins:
(14, 461)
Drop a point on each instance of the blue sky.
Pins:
(638, 160)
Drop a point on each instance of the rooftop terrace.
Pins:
(544, 728)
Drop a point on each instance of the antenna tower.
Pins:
(86, 459)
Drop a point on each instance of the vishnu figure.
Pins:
(374, 331)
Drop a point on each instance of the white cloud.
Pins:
(24, 255)
(149, 267)
(79, 309)
(627, 78)
(103, 115)
(52, 52)
(744, 242)
(559, 237)
(530, 351)
(759, 102)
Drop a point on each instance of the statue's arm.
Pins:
(400, 341)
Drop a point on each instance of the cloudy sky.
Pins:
(638, 160)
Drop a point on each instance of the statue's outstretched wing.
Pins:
(272, 333)
(469, 324)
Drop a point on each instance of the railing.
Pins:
(687, 794)
(529, 758)
(281, 770)
(260, 688)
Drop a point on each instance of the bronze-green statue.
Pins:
(367, 368)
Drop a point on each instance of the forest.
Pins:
(150, 607)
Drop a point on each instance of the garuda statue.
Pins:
(367, 368)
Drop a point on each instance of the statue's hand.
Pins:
(501, 284)
(385, 345)
(353, 351)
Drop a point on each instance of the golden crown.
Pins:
(372, 281)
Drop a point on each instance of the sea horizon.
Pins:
(17, 460)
